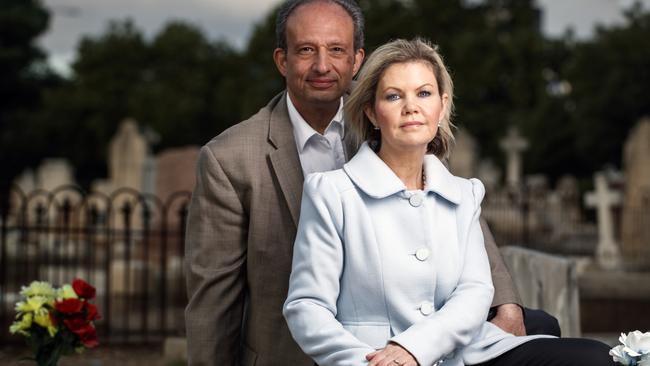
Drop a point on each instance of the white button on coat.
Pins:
(426, 308)
(416, 200)
(422, 254)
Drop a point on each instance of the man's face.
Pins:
(320, 60)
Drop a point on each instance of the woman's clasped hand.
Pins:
(392, 355)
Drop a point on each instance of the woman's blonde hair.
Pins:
(363, 94)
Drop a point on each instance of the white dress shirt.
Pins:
(318, 153)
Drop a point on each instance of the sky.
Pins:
(234, 20)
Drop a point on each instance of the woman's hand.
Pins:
(392, 355)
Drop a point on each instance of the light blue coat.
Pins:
(374, 262)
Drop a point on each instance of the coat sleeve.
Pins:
(215, 255)
(311, 305)
(504, 289)
(454, 325)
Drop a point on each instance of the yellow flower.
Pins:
(21, 326)
(33, 304)
(39, 288)
(67, 292)
(44, 321)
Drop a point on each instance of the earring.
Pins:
(375, 127)
(439, 124)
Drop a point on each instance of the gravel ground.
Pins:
(100, 356)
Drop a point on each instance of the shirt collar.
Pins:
(376, 179)
(303, 131)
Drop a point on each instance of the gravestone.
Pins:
(603, 199)
(54, 173)
(127, 156)
(462, 161)
(513, 145)
(490, 175)
(564, 207)
(26, 181)
(635, 234)
(176, 170)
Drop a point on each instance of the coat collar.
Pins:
(368, 172)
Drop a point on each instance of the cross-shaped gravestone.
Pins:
(603, 199)
(513, 145)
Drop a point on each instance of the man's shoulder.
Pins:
(251, 133)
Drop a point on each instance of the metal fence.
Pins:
(129, 245)
(541, 223)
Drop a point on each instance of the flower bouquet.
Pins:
(634, 349)
(56, 322)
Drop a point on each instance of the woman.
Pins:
(389, 264)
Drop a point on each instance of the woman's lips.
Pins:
(412, 123)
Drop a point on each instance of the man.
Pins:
(245, 207)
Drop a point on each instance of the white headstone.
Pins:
(513, 145)
(54, 173)
(635, 231)
(26, 181)
(603, 199)
(127, 156)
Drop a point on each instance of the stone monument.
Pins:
(603, 199)
(635, 233)
(127, 156)
(513, 145)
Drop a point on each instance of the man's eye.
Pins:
(424, 93)
(338, 49)
(305, 50)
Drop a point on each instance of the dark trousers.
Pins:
(556, 352)
(540, 322)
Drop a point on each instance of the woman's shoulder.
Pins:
(333, 180)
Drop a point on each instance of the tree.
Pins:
(610, 84)
(170, 84)
(21, 21)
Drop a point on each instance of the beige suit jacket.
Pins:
(241, 228)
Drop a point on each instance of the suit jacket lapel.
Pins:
(285, 160)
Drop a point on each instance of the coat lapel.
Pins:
(285, 162)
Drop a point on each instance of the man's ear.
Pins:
(280, 58)
(358, 60)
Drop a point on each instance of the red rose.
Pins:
(68, 306)
(83, 289)
(75, 323)
(88, 336)
(91, 311)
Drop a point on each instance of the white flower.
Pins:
(619, 355)
(637, 343)
(634, 349)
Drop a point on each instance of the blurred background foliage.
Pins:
(575, 100)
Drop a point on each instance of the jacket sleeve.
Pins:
(504, 289)
(215, 255)
(454, 325)
(310, 308)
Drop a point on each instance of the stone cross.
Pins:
(603, 199)
(513, 145)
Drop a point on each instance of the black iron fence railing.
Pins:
(129, 245)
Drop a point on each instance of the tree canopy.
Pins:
(575, 101)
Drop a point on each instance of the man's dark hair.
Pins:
(350, 6)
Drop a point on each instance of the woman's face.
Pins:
(407, 106)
